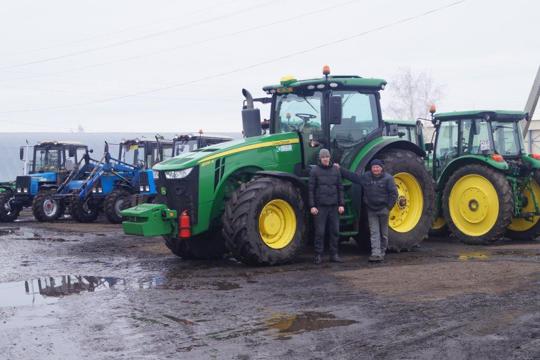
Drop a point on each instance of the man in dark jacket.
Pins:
(379, 195)
(326, 203)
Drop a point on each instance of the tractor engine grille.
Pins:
(22, 184)
(181, 194)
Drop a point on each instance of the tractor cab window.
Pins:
(446, 147)
(70, 159)
(183, 146)
(406, 133)
(359, 118)
(299, 113)
(506, 138)
(47, 160)
(132, 154)
(474, 137)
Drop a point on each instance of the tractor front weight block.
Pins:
(149, 220)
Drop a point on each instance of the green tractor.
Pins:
(412, 131)
(487, 185)
(249, 196)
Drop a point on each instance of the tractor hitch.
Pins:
(150, 220)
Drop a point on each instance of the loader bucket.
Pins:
(149, 220)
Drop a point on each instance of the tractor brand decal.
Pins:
(284, 148)
(250, 147)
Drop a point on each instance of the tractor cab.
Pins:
(341, 113)
(53, 156)
(409, 130)
(144, 153)
(495, 135)
(187, 143)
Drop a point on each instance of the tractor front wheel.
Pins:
(84, 212)
(8, 211)
(115, 202)
(205, 246)
(477, 204)
(527, 229)
(45, 207)
(263, 223)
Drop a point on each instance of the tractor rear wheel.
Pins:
(45, 207)
(438, 228)
(477, 204)
(84, 211)
(264, 222)
(205, 246)
(115, 202)
(527, 229)
(411, 217)
(8, 212)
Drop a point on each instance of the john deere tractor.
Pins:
(249, 196)
(487, 185)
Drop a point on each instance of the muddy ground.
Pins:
(86, 291)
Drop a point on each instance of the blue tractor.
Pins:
(112, 184)
(50, 164)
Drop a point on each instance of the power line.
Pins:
(120, 31)
(185, 45)
(248, 67)
(139, 38)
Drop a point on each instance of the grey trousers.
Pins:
(378, 229)
(327, 221)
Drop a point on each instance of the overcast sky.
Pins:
(162, 65)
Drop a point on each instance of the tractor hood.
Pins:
(193, 158)
(44, 176)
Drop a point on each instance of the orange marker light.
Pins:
(432, 109)
(497, 157)
(326, 70)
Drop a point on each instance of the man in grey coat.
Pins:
(379, 195)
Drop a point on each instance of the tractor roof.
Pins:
(401, 122)
(130, 142)
(492, 114)
(289, 83)
(60, 143)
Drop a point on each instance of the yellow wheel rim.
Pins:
(474, 205)
(277, 224)
(438, 224)
(520, 224)
(407, 211)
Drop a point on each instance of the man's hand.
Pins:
(336, 165)
(341, 209)
(314, 211)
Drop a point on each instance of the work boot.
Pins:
(317, 260)
(376, 258)
(335, 258)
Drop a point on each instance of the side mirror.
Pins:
(401, 134)
(21, 153)
(428, 147)
(392, 130)
(335, 110)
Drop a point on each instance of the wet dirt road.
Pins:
(74, 291)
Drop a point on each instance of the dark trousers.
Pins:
(378, 228)
(327, 221)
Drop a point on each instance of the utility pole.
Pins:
(530, 106)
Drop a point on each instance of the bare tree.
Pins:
(411, 94)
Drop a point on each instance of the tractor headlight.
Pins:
(19, 190)
(25, 190)
(147, 188)
(178, 174)
(94, 190)
(141, 188)
(99, 190)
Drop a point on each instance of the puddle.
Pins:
(48, 290)
(473, 256)
(8, 231)
(287, 324)
(15, 233)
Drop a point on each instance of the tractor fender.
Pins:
(385, 145)
(466, 160)
(285, 176)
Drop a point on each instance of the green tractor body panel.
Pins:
(469, 159)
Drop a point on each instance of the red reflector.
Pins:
(535, 156)
(184, 225)
(497, 157)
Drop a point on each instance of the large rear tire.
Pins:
(84, 212)
(45, 207)
(477, 204)
(206, 246)
(264, 222)
(8, 212)
(115, 202)
(411, 217)
(527, 229)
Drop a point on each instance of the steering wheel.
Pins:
(305, 119)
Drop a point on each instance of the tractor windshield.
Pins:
(46, 160)
(132, 154)
(298, 112)
(507, 138)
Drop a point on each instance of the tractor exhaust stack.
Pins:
(251, 117)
